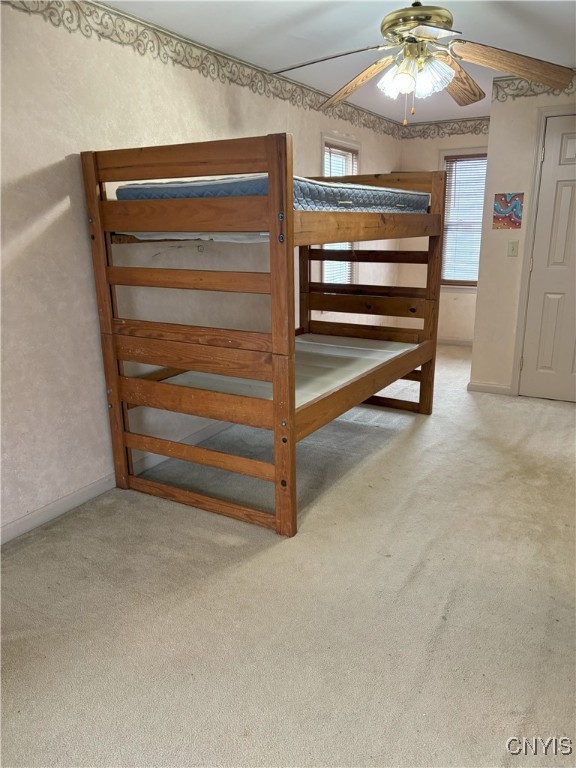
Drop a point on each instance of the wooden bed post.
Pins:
(280, 199)
(101, 260)
(434, 273)
(304, 278)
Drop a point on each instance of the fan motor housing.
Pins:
(398, 25)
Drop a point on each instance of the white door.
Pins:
(549, 351)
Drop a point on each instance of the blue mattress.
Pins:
(309, 195)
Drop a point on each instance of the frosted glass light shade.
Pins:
(387, 84)
(428, 77)
(405, 78)
(434, 76)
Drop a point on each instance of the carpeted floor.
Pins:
(423, 615)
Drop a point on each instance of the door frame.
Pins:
(543, 114)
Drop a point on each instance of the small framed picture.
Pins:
(508, 210)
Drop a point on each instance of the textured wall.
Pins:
(63, 93)
(511, 168)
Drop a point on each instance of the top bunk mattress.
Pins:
(309, 195)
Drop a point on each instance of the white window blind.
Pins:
(339, 161)
(465, 183)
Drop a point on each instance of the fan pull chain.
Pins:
(412, 110)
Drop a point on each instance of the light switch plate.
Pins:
(513, 248)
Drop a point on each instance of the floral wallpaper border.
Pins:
(505, 88)
(477, 126)
(98, 20)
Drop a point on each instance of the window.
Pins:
(339, 161)
(465, 182)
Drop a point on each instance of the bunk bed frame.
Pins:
(262, 356)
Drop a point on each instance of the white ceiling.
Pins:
(272, 34)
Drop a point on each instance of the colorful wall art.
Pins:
(508, 210)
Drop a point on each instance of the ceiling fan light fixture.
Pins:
(428, 63)
(433, 77)
(387, 84)
(417, 75)
(432, 33)
(399, 25)
(405, 77)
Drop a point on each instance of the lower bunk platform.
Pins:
(323, 365)
(325, 460)
(332, 375)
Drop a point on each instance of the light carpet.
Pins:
(423, 615)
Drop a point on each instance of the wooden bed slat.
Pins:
(176, 354)
(209, 503)
(393, 402)
(356, 289)
(161, 374)
(254, 412)
(208, 457)
(369, 257)
(361, 331)
(321, 411)
(220, 214)
(195, 280)
(195, 334)
(313, 227)
(208, 158)
(369, 305)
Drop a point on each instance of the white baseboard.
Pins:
(56, 508)
(493, 389)
(59, 507)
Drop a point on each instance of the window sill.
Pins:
(458, 287)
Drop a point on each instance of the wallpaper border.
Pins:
(94, 19)
(504, 88)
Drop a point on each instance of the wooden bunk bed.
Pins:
(259, 359)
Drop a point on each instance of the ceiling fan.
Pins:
(424, 57)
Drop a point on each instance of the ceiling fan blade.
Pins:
(432, 31)
(534, 70)
(463, 89)
(378, 47)
(363, 77)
